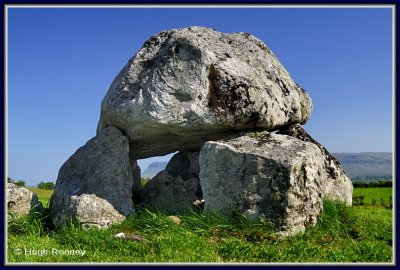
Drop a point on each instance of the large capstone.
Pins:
(175, 189)
(337, 185)
(264, 175)
(101, 169)
(187, 86)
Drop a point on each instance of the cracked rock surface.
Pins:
(21, 201)
(337, 185)
(264, 175)
(100, 168)
(188, 86)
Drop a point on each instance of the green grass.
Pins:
(374, 193)
(43, 194)
(343, 234)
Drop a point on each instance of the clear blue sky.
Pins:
(61, 63)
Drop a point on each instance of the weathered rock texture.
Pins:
(264, 175)
(175, 189)
(337, 185)
(187, 86)
(89, 210)
(198, 88)
(101, 168)
(21, 201)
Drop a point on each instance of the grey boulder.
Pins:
(264, 175)
(21, 201)
(187, 86)
(175, 189)
(100, 168)
(337, 186)
(89, 210)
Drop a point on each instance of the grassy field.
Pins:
(43, 194)
(343, 234)
(377, 194)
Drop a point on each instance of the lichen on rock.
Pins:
(191, 85)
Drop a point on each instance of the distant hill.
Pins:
(367, 166)
(154, 168)
(358, 166)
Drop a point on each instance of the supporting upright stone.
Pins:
(175, 189)
(337, 186)
(99, 178)
(264, 175)
(137, 183)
